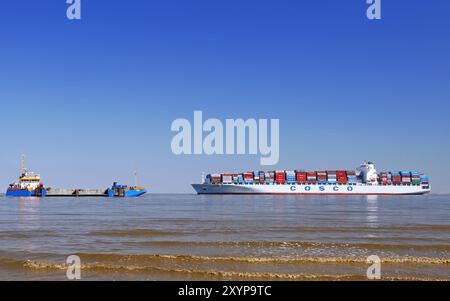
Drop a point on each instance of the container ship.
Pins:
(30, 185)
(365, 180)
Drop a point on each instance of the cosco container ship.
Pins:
(365, 180)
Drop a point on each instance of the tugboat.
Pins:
(126, 191)
(29, 184)
(118, 190)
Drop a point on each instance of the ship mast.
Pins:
(135, 179)
(23, 169)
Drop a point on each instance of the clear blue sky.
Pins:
(89, 101)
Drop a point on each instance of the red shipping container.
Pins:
(300, 177)
(280, 180)
(280, 177)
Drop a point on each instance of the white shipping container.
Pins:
(227, 179)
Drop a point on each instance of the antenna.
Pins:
(203, 177)
(23, 169)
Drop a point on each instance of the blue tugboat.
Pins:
(29, 184)
(118, 190)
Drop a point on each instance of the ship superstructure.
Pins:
(29, 184)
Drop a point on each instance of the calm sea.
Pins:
(190, 237)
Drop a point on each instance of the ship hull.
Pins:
(131, 193)
(25, 193)
(304, 189)
(134, 193)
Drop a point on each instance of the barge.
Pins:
(30, 185)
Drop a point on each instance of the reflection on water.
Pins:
(29, 219)
(225, 237)
(28, 213)
(372, 211)
(372, 197)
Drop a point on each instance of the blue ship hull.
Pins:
(118, 190)
(24, 193)
(134, 193)
(126, 193)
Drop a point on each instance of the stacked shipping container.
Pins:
(321, 177)
(351, 177)
(400, 178)
(214, 178)
(227, 178)
(311, 177)
(290, 177)
(331, 176)
(341, 177)
(396, 178)
(262, 177)
(248, 177)
(406, 177)
(415, 178)
(269, 177)
(386, 178)
(424, 179)
(300, 176)
(316, 177)
(280, 177)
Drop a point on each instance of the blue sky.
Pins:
(90, 101)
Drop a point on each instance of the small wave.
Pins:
(159, 263)
(300, 244)
(415, 227)
(11, 263)
(26, 234)
(133, 232)
(216, 273)
(273, 260)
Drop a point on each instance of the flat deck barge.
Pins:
(58, 192)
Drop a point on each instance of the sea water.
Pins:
(191, 237)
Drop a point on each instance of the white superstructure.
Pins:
(368, 173)
(28, 180)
